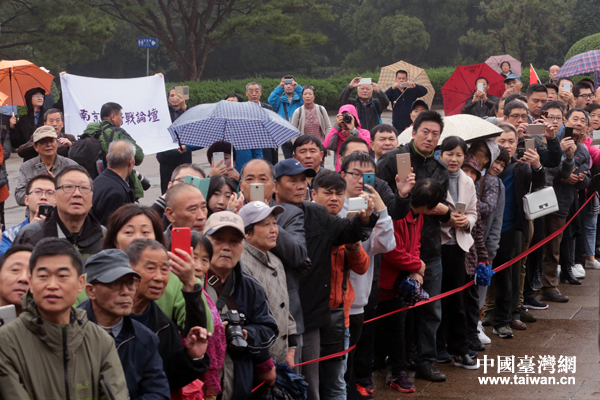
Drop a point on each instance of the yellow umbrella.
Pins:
(387, 77)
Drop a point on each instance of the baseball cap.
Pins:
(292, 167)
(108, 265)
(256, 211)
(510, 77)
(419, 103)
(222, 219)
(44, 132)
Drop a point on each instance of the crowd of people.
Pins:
(286, 260)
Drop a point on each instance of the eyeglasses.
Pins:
(40, 192)
(557, 119)
(586, 96)
(519, 116)
(38, 96)
(71, 188)
(180, 179)
(130, 284)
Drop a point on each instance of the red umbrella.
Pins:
(461, 86)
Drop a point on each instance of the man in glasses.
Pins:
(369, 109)
(39, 190)
(47, 162)
(583, 95)
(70, 219)
(111, 286)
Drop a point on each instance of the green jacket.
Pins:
(119, 134)
(42, 360)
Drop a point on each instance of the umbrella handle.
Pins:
(11, 95)
(178, 139)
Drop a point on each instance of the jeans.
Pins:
(363, 353)
(331, 374)
(429, 316)
(589, 229)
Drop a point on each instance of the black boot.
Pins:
(566, 276)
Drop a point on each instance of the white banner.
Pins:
(144, 101)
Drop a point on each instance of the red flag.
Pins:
(533, 76)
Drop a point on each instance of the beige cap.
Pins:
(44, 132)
(221, 220)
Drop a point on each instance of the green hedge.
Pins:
(586, 44)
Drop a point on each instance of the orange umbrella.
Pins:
(17, 77)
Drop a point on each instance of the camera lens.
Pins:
(347, 118)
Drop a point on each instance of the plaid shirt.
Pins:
(268, 270)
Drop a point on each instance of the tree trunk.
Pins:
(192, 69)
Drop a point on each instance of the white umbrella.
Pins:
(466, 126)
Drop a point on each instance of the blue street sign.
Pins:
(147, 42)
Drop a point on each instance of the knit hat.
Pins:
(471, 162)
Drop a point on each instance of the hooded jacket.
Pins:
(337, 132)
(43, 360)
(26, 125)
(280, 102)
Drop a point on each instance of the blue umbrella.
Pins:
(245, 125)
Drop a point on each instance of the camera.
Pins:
(347, 118)
(143, 180)
(233, 332)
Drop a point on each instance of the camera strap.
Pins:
(223, 291)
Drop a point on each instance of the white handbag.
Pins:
(539, 203)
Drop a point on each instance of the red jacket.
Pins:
(406, 257)
(357, 262)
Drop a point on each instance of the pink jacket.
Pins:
(362, 133)
(594, 152)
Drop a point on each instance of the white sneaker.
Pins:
(578, 271)
(558, 271)
(483, 338)
(592, 264)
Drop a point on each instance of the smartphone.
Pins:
(529, 144)
(351, 214)
(218, 156)
(536, 129)
(365, 81)
(403, 165)
(44, 209)
(357, 203)
(41, 169)
(257, 192)
(183, 91)
(7, 314)
(200, 183)
(181, 238)
(368, 179)
(568, 131)
(461, 208)
(520, 152)
(288, 81)
(480, 86)
(404, 84)
(567, 86)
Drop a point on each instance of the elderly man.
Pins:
(54, 118)
(186, 207)
(369, 109)
(14, 275)
(512, 85)
(111, 189)
(47, 162)
(70, 219)
(178, 176)
(403, 94)
(111, 286)
(552, 73)
(52, 342)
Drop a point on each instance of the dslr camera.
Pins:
(143, 180)
(233, 332)
(347, 118)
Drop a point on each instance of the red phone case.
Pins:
(181, 238)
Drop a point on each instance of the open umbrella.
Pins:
(387, 77)
(580, 64)
(461, 86)
(467, 126)
(496, 61)
(245, 125)
(17, 77)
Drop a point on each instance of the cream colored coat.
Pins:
(467, 195)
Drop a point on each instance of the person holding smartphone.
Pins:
(403, 94)
(285, 99)
(369, 108)
(481, 103)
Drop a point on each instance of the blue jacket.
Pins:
(250, 299)
(9, 235)
(243, 156)
(278, 99)
(137, 347)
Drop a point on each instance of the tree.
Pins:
(190, 30)
(53, 32)
(525, 28)
(586, 44)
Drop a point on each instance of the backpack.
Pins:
(87, 150)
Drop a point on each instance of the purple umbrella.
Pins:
(496, 61)
(580, 64)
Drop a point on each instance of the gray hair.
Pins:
(120, 152)
(253, 83)
(271, 167)
(53, 111)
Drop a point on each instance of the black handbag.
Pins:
(3, 176)
(332, 334)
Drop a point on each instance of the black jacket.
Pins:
(479, 109)
(430, 167)
(323, 231)
(291, 249)
(397, 207)
(550, 152)
(180, 369)
(565, 193)
(26, 125)
(368, 113)
(402, 105)
(174, 157)
(110, 193)
(142, 365)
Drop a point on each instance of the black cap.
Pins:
(107, 266)
(419, 103)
